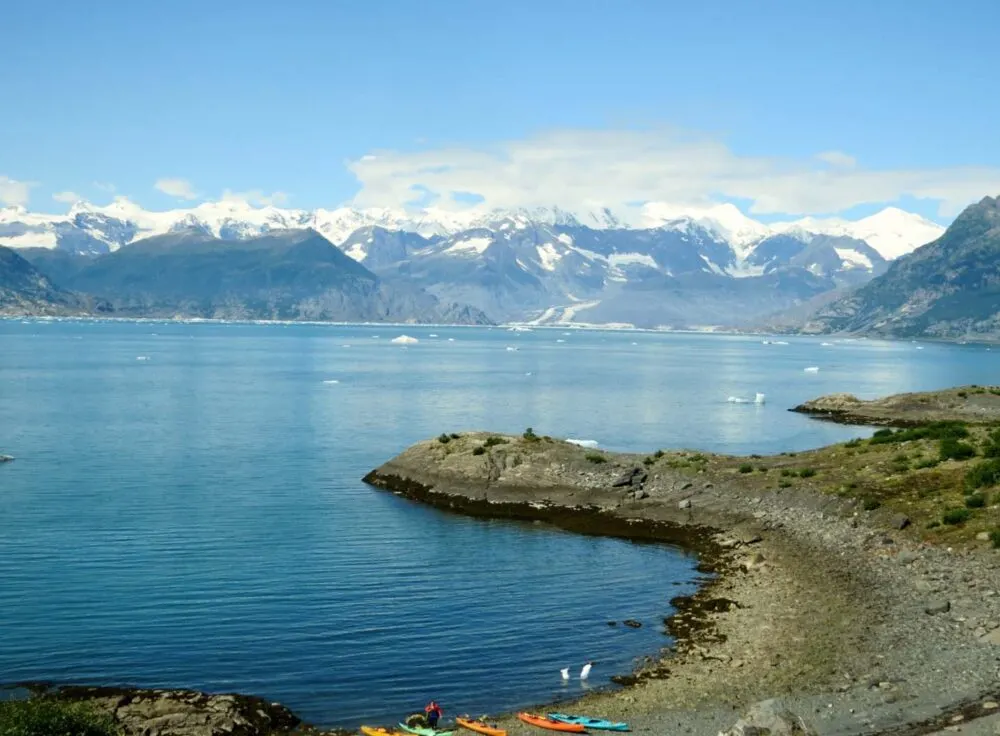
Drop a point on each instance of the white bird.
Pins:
(565, 673)
(585, 672)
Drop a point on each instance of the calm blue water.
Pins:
(197, 519)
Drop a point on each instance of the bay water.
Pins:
(186, 509)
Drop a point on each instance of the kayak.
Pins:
(596, 723)
(480, 727)
(542, 722)
(424, 731)
(373, 731)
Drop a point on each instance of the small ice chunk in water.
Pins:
(451, 339)
(432, 335)
(560, 340)
(758, 398)
(405, 340)
(143, 357)
(511, 349)
(582, 443)
(331, 380)
(812, 369)
(737, 400)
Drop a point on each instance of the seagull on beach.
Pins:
(565, 673)
(585, 672)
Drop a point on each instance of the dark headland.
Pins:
(858, 583)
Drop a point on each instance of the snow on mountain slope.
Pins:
(892, 232)
(723, 220)
(92, 228)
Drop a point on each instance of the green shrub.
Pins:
(530, 436)
(444, 439)
(995, 538)
(784, 484)
(984, 474)
(478, 450)
(807, 473)
(455, 436)
(975, 501)
(493, 441)
(699, 458)
(931, 431)
(870, 504)
(952, 449)
(746, 468)
(933, 524)
(755, 457)
(856, 442)
(43, 717)
(931, 462)
(648, 461)
(761, 469)
(963, 394)
(596, 458)
(786, 473)
(956, 516)
(658, 454)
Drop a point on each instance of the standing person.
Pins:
(434, 712)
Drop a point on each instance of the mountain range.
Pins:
(676, 267)
(280, 275)
(949, 288)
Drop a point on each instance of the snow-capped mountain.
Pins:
(892, 232)
(95, 229)
(668, 265)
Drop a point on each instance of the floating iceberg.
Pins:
(560, 340)
(812, 369)
(432, 335)
(143, 357)
(405, 340)
(331, 380)
(582, 443)
(826, 344)
(757, 399)
(511, 349)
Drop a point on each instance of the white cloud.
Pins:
(180, 188)
(838, 158)
(256, 197)
(585, 169)
(67, 197)
(13, 192)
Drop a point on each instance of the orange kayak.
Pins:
(375, 731)
(480, 727)
(542, 722)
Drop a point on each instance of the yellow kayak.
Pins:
(374, 731)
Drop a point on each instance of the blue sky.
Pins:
(325, 102)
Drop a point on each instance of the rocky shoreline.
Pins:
(846, 614)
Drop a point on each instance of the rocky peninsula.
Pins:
(858, 583)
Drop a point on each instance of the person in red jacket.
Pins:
(433, 711)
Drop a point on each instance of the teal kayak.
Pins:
(595, 723)
(424, 731)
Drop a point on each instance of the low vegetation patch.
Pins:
(479, 450)
(953, 449)
(42, 717)
(530, 436)
(444, 439)
(932, 431)
(975, 501)
(984, 474)
(746, 468)
(956, 516)
(596, 458)
(494, 441)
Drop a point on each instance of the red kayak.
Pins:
(542, 722)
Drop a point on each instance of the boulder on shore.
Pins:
(769, 718)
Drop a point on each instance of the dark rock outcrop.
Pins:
(142, 712)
